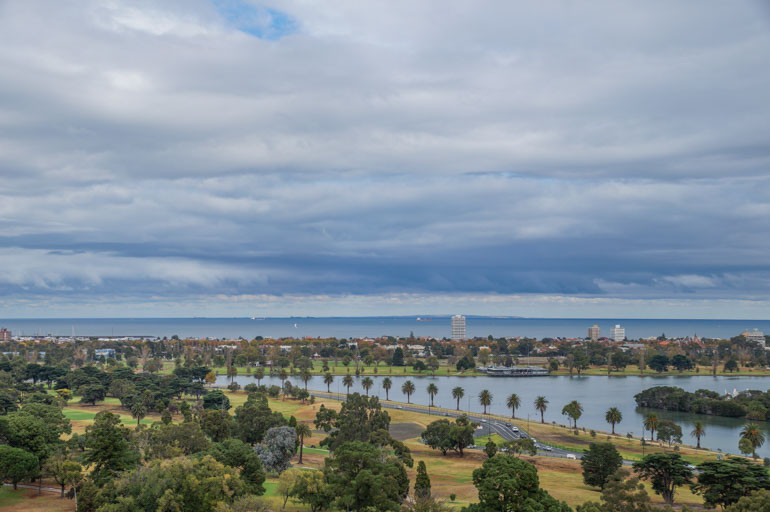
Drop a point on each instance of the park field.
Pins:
(446, 369)
(27, 500)
(450, 474)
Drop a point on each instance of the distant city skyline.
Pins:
(538, 159)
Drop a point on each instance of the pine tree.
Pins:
(422, 482)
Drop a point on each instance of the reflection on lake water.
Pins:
(595, 393)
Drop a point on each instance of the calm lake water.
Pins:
(595, 393)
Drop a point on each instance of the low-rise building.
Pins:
(104, 352)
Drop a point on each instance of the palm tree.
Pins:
(386, 385)
(259, 375)
(328, 379)
(407, 389)
(432, 391)
(302, 431)
(347, 382)
(138, 411)
(306, 376)
(651, 424)
(613, 416)
(457, 394)
(541, 404)
(699, 431)
(283, 376)
(512, 403)
(754, 435)
(485, 399)
(367, 384)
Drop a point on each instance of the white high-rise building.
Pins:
(458, 327)
(617, 333)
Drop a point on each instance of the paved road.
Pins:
(506, 430)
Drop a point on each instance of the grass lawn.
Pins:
(10, 497)
(482, 440)
(27, 500)
(450, 474)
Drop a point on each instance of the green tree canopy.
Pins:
(724, 482)
(360, 476)
(666, 472)
(192, 485)
(599, 462)
(509, 484)
(17, 464)
(108, 449)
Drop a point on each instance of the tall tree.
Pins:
(254, 418)
(386, 385)
(408, 388)
(458, 393)
(347, 381)
(485, 399)
(513, 402)
(651, 424)
(328, 380)
(361, 476)
(138, 411)
(541, 405)
(108, 449)
(367, 384)
(698, 431)
(17, 465)
(599, 462)
(510, 484)
(613, 417)
(666, 472)
(754, 435)
(306, 375)
(724, 482)
(432, 391)
(302, 431)
(573, 410)
(422, 481)
(63, 470)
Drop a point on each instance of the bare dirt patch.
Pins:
(404, 431)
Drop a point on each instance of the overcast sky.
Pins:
(230, 158)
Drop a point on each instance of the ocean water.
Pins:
(347, 327)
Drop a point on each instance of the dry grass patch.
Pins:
(27, 500)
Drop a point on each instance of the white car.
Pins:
(515, 429)
(400, 407)
(571, 456)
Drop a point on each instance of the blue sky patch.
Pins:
(256, 20)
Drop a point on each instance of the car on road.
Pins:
(483, 421)
(400, 407)
(547, 448)
(515, 429)
(571, 456)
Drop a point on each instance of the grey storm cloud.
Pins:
(185, 150)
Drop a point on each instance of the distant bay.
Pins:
(347, 327)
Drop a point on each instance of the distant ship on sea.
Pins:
(424, 319)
